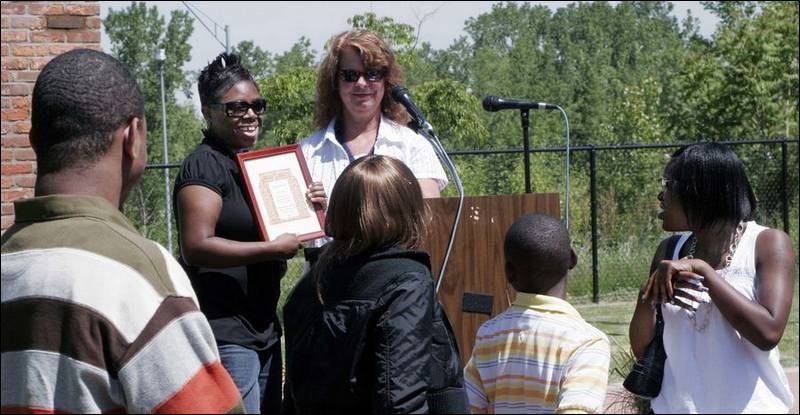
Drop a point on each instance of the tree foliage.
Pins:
(625, 73)
(136, 33)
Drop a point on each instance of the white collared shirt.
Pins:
(327, 158)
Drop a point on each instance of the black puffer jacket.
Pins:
(380, 344)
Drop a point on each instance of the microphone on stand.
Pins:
(423, 127)
(418, 122)
(493, 103)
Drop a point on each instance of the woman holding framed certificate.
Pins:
(235, 273)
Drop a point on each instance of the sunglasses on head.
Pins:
(235, 109)
(372, 75)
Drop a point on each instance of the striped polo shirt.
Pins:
(96, 318)
(539, 356)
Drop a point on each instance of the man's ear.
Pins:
(573, 258)
(510, 272)
(133, 138)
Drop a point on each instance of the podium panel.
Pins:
(475, 288)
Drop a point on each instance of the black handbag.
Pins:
(648, 372)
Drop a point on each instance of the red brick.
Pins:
(5, 76)
(8, 209)
(26, 76)
(16, 140)
(6, 182)
(17, 168)
(25, 180)
(83, 10)
(66, 22)
(5, 50)
(39, 63)
(22, 127)
(14, 36)
(14, 115)
(15, 64)
(24, 154)
(7, 155)
(13, 7)
(94, 23)
(16, 89)
(5, 102)
(23, 103)
(49, 36)
(46, 9)
(10, 195)
(7, 221)
(56, 50)
(83, 36)
(24, 22)
(30, 50)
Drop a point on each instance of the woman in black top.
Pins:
(364, 332)
(235, 273)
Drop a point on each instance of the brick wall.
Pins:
(33, 32)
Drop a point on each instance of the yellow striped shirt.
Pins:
(539, 356)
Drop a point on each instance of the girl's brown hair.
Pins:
(375, 204)
(375, 54)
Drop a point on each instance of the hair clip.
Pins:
(222, 59)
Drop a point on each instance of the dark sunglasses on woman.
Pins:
(372, 75)
(234, 109)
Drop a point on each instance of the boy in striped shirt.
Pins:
(539, 356)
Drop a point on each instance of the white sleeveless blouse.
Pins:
(714, 369)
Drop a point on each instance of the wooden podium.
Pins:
(475, 287)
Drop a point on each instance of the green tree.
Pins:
(259, 62)
(299, 56)
(135, 34)
(290, 97)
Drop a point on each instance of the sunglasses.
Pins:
(372, 75)
(666, 183)
(235, 109)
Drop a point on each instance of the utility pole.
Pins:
(161, 56)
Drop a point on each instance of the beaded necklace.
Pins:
(707, 307)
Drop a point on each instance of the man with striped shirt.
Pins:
(539, 356)
(96, 318)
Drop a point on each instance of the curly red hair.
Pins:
(375, 53)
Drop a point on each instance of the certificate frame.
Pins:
(277, 179)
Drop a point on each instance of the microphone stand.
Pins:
(427, 131)
(524, 115)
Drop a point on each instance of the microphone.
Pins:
(400, 94)
(493, 103)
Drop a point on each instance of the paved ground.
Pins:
(614, 391)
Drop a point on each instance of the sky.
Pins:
(276, 26)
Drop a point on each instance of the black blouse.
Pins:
(239, 302)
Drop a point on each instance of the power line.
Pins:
(191, 7)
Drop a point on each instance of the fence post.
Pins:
(785, 184)
(593, 193)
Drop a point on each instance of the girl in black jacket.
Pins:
(364, 331)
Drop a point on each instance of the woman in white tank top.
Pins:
(725, 290)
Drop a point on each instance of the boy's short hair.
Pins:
(79, 99)
(539, 245)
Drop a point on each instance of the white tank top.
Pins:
(716, 370)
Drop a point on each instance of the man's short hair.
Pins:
(79, 99)
(538, 247)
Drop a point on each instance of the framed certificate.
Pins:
(277, 179)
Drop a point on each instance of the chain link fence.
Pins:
(613, 202)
